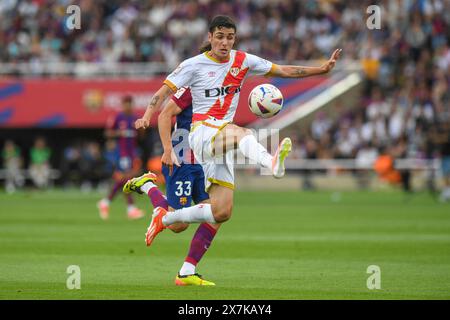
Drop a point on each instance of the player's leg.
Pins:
(103, 204)
(200, 243)
(206, 139)
(133, 212)
(145, 184)
(178, 192)
(220, 185)
(177, 227)
(203, 236)
(216, 173)
(218, 211)
(221, 197)
(235, 137)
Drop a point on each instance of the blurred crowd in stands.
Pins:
(405, 108)
(171, 30)
(83, 164)
(39, 170)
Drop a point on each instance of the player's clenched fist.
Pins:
(141, 124)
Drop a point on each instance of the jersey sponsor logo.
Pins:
(211, 74)
(222, 91)
(219, 109)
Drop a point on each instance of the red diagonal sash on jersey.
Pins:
(217, 110)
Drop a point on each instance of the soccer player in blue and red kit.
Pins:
(185, 182)
(127, 163)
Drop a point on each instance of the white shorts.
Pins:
(218, 169)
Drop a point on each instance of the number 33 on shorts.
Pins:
(183, 188)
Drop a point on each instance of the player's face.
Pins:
(222, 41)
(127, 107)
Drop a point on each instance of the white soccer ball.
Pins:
(265, 100)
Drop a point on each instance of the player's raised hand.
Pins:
(141, 124)
(169, 159)
(327, 66)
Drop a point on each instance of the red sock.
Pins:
(157, 198)
(200, 243)
(117, 185)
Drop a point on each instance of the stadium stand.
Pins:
(405, 104)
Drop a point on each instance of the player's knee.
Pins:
(222, 213)
(245, 132)
(241, 133)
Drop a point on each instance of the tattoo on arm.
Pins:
(300, 72)
(154, 101)
(158, 98)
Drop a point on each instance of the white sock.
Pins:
(147, 186)
(130, 207)
(255, 151)
(187, 269)
(106, 201)
(199, 213)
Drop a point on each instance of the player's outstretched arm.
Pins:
(285, 71)
(164, 126)
(158, 98)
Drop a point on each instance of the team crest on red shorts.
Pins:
(235, 71)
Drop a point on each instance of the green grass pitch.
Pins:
(277, 245)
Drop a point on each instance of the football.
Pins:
(265, 100)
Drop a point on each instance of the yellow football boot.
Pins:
(283, 151)
(192, 280)
(135, 184)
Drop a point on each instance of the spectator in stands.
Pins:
(442, 139)
(12, 162)
(365, 158)
(406, 63)
(320, 125)
(40, 163)
(93, 166)
(399, 150)
(149, 31)
(111, 156)
(309, 150)
(70, 165)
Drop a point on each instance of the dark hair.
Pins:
(222, 22)
(128, 98)
(217, 22)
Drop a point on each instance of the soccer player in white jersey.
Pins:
(215, 79)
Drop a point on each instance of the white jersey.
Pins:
(215, 86)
